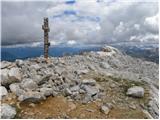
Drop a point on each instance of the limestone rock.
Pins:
(67, 92)
(7, 112)
(15, 88)
(28, 84)
(5, 64)
(19, 62)
(46, 91)
(75, 88)
(10, 76)
(31, 96)
(135, 91)
(35, 66)
(4, 77)
(91, 82)
(3, 91)
(90, 90)
(14, 74)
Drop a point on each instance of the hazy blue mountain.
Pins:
(11, 54)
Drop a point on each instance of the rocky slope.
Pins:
(108, 79)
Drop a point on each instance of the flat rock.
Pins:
(135, 91)
(31, 96)
(7, 111)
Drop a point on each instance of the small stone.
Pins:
(113, 101)
(81, 91)
(135, 91)
(86, 99)
(32, 105)
(75, 88)
(19, 62)
(109, 105)
(104, 109)
(112, 85)
(132, 107)
(90, 90)
(91, 82)
(89, 110)
(67, 92)
(7, 111)
(54, 93)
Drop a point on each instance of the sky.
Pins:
(74, 22)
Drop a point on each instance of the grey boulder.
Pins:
(14, 74)
(4, 76)
(29, 84)
(3, 91)
(7, 111)
(10, 76)
(15, 88)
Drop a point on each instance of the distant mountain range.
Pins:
(150, 53)
(11, 54)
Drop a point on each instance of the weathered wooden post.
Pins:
(46, 29)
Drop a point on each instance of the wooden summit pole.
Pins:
(46, 29)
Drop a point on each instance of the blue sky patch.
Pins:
(70, 2)
(70, 12)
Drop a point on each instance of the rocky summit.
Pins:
(103, 84)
